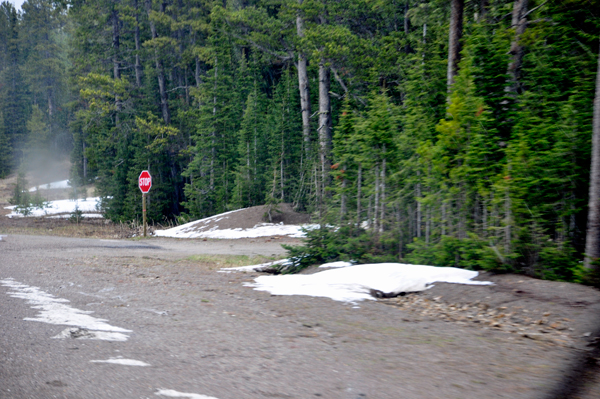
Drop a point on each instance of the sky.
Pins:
(17, 3)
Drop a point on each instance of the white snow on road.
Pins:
(88, 206)
(55, 184)
(53, 310)
(174, 394)
(121, 361)
(202, 229)
(354, 283)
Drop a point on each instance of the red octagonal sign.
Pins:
(145, 181)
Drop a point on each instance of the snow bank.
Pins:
(88, 206)
(355, 283)
(56, 184)
(205, 228)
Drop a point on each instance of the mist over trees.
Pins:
(443, 132)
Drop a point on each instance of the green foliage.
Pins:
(206, 95)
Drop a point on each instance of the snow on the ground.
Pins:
(337, 264)
(253, 268)
(53, 310)
(55, 184)
(121, 361)
(174, 394)
(355, 283)
(88, 206)
(202, 229)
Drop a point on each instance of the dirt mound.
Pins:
(248, 218)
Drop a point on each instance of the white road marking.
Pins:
(174, 394)
(54, 311)
(121, 361)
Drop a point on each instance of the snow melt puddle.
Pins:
(174, 394)
(54, 311)
(121, 361)
(357, 283)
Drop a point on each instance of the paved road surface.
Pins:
(189, 331)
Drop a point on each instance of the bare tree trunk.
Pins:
(85, 161)
(377, 197)
(382, 183)
(359, 195)
(303, 86)
(483, 10)
(484, 221)
(419, 211)
(407, 48)
(213, 150)
(343, 206)
(164, 103)
(427, 223)
(592, 241)
(115, 58)
(324, 124)
(454, 46)
(197, 73)
(519, 23)
(507, 232)
(138, 64)
(443, 224)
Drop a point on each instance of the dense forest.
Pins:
(439, 132)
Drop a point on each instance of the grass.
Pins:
(63, 228)
(231, 260)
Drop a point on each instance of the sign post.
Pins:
(145, 183)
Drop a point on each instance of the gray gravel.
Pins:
(202, 332)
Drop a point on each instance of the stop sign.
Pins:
(145, 181)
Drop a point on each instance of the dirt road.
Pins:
(201, 332)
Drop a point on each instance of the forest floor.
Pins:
(559, 323)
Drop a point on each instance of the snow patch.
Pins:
(337, 264)
(89, 208)
(174, 394)
(254, 268)
(82, 333)
(53, 310)
(55, 184)
(201, 229)
(121, 361)
(357, 283)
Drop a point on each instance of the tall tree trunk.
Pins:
(213, 134)
(407, 47)
(343, 206)
(164, 103)
(138, 64)
(324, 124)
(377, 198)
(456, 27)
(358, 195)
(116, 39)
(592, 241)
(303, 87)
(519, 23)
(382, 183)
(483, 10)
(419, 211)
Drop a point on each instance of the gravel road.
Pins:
(200, 332)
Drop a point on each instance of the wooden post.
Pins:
(144, 211)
